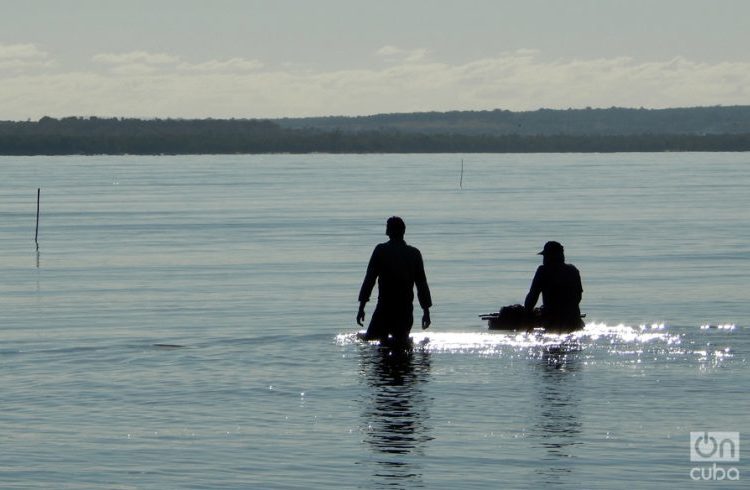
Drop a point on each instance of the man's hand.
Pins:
(426, 319)
(361, 315)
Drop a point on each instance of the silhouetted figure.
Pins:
(398, 267)
(560, 286)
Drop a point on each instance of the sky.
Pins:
(296, 58)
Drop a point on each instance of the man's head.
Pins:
(553, 253)
(395, 227)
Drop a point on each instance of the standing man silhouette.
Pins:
(398, 267)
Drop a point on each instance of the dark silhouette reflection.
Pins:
(395, 414)
(558, 427)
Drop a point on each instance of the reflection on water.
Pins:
(395, 413)
(617, 339)
(558, 427)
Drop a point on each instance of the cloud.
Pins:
(135, 63)
(141, 63)
(19, 57)
(230, 65)
(21, 51)
(141, 84)
(393, 53)
(135, 57)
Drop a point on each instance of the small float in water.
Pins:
(516, 317)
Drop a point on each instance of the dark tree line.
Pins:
(73, 135)
(582, 122)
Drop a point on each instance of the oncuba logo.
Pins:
(714, 447)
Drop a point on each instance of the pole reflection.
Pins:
(395, 414)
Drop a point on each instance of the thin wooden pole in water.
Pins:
(36, 234)
(461, 180)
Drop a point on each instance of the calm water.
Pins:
(253, 263)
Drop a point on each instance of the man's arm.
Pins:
(420, 279)
(579, 287)
(423, 291)
(534, 291)
(426, 319)
(367, 285)
(361, 314)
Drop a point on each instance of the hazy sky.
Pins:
(276, 58)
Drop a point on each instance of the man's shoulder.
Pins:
(401, 249)
(414, 251)
(571, 272)
(397, 244)
(386, 247)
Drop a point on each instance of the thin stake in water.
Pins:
(461, 180)
(36, 234)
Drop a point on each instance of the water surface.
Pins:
(187, 322)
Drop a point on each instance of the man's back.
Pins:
(561, 290)
(397, 267)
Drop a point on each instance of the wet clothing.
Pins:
(398, 267)
(561, 290)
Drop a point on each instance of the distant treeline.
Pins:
(614, 121)
(74, 135)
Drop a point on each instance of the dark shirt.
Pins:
(398, 267)
(561, 290)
